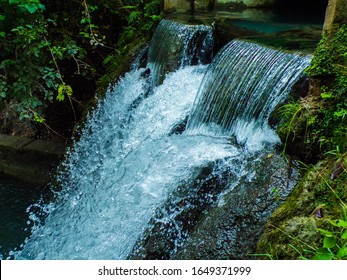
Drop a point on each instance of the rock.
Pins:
(247, 3)
(231, 230)
(292, 229)
(336, 15)
(179, 214)
(198, 222)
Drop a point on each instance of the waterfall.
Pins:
(176, 45)
(130, 161)
(243, 85)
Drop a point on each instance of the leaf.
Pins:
(326, 95)
(62, 90)
(42, 7)
(333, 223)
(68, 90)
(344, 235)
(325, 232)
(61, 96)
(329, 242)
(342, 252)
(38, 118)
(30, 7)
(323, 254)
(33, 7)
(342, 223)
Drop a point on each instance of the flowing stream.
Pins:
(137, 147)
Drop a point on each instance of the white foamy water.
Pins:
(128, 162)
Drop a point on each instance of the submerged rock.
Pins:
(180, 213)
(218, 218)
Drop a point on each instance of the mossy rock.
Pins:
(291, 232)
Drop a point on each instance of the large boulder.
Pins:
(215, 218)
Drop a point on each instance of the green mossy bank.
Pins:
(293, 229)
(312, 223)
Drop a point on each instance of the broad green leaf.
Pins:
(62, 90)
(329, 242)
(61, 96)
(344, 235)
(31, 8)
(323, 254)
(342, 252)
(342, 223)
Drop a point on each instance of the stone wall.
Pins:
(180, 6)
(29, 160)
(183, 6)
(336, 14)
(248, 3)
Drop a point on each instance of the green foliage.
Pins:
(142, 17)
(330, 192)
(329, 65)
(38, 38)
(46, 44)
(296, 120)
(334, 240)
(289, 114)
(29, 71)
(63, 90)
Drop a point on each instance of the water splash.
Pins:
(122, 168)
(242, 87)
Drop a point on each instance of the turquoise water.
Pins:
(271, 27)
(15, 198)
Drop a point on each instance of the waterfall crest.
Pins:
(242, 86)
(175, 45)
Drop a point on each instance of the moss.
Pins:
(291, 232)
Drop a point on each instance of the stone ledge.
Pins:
(32, 161)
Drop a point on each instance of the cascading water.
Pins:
(243, 85)
(128, 162)
(183, 45)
